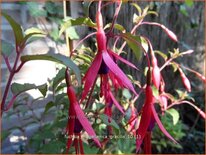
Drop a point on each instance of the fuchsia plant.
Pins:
(104, 66)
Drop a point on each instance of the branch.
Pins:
(7, 63)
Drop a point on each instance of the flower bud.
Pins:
(185, 80)
(156, 76)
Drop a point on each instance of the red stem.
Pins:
(115, 16)
(11, 75)
(99, 5)
(132, 32)
(7, 63)
(90, 95)
(89, 35)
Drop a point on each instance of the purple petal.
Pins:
(85, 123)
(161, 126)
(116, 103)
(117, 71)
(122, 59)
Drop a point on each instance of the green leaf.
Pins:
(105, 118)
(144, 44)
(90, 149)
(60, 123)
(35, 10)
(183, 10)
(43, 89)
(17, 88)
(49, 106)
(164, 56)
(51, 7)
(33, 32)
(6, 48)
(138, 8)
(175, 66)
(72, 33)
(74, 22)
(152, 12)
(61, 87)
(4, 135)
(58, 78)
(18, 33)
(54, 34)
(126, 93)
(136, 18)
(155, 91)
(116, 26)
(175, 115)
(189, 3)
(59, 58)
(86, 58)
(53, 147)
(131, 39)
(86, 5)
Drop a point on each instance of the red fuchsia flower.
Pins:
(156, 75)
(77, 120)
(185, 80)
(105, 65)
(149, 117)
(200, 76)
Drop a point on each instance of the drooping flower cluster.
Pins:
(76, 120)
(104, 65)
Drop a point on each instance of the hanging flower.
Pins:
(103, 63)
(77, 120)
(149, 116)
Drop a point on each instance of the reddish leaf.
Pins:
(160, 125)
(116, 103)
(117, 71)
(85, 123)
(91, 75)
